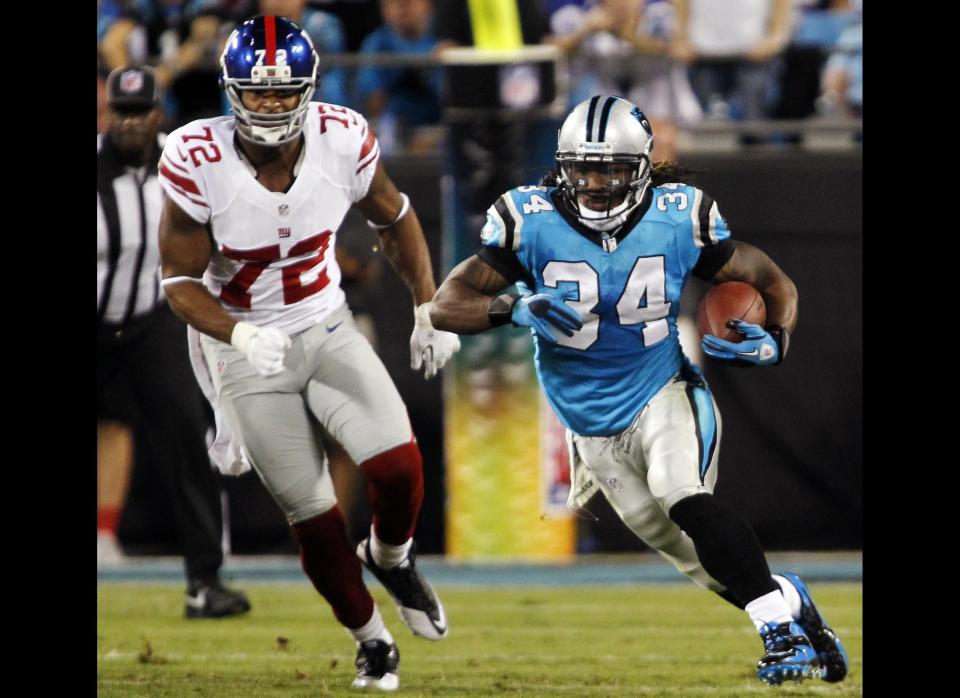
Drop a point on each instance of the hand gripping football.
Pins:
(732, 300)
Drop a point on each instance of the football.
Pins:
(732, 300)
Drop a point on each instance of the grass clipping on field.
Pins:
(645, 640)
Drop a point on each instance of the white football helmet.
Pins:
(607, 136)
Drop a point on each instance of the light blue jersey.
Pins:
(626, 290)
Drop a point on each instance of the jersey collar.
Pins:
(594, 236)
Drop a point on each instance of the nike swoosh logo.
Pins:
(331, 328)
(749, 353)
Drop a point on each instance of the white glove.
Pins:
(429, 347)
(264, 346)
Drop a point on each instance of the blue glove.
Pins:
(758, 348)
(545, 313)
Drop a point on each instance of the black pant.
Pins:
(144, 380)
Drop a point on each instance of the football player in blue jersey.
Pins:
(600, 259)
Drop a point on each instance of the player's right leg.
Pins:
(272, 421)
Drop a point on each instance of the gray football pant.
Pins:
(652, 465)
(332, 377)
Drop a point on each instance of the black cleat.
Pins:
(418, 603)
(214, 601)
(377, 664)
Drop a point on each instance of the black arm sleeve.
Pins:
(504, 261)
(712, 259)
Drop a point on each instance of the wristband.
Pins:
(421, 315)
(500, 310)
(782, 338)
(242, 332)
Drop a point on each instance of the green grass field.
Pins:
(662, 640)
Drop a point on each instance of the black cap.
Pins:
(132, 87)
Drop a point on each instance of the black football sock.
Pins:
(727, 547)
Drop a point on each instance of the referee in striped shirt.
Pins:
(144, 378)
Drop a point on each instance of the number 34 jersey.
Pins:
(626, 290)
(274, 262)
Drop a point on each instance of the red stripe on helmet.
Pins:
(270, 33)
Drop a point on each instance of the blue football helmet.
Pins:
(269, 53)
(610, 136)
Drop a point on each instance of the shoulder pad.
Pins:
(504, 226)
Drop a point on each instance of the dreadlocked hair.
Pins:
(664, 171)
(661, 172)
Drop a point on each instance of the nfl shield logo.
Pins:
(284, 209)
(131, 81)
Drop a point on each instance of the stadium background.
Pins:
(792, 436)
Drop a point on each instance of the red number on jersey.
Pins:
(211, 155)
(237, 291)
(328, 112)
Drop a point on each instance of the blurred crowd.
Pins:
(683, 61)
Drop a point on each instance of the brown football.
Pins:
(732, 300)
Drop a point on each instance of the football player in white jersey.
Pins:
(253, 205)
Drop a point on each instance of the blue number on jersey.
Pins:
(628, 296)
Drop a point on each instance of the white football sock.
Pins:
(790, 595)
(386, 555)
(373, 629)
(769, 608)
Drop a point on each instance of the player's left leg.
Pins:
(351, 394)
(679, 435)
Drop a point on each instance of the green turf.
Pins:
(664, 640)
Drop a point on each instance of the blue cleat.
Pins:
(833, 658)
(789, 655)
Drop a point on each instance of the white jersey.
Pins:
(274, 262)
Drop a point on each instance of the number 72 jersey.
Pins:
(274, 263)
(626, 290)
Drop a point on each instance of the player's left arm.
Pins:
(401, 237)
(403, 244)
(751, 265)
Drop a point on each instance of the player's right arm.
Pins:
(184, 255)
(185, 250)
(462, 303)
(468, 301)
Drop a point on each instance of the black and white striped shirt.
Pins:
(128, 218)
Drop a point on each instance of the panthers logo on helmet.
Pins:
(639, 116)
